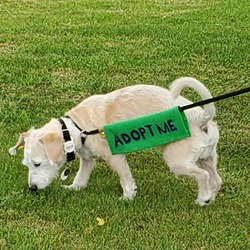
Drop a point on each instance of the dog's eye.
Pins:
(37, 164)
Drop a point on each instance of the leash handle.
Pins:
(214, 99)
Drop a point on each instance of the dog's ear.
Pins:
(53, 144)
(19, 143)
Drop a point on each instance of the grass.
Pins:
(55, 53)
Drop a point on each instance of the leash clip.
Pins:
(101, 132)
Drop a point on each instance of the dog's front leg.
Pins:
(120, 165)
(83, 174)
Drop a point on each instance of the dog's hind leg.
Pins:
(201, 176)
(184, 165)
(119, 164)
(209, 164)
(83, 174)
(205, 194)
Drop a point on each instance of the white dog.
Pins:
(48, 148)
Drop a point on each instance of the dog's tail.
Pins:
(179, 84)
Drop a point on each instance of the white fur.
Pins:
(194, 157)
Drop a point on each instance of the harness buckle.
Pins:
(69, 147)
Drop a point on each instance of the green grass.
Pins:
(55, 53)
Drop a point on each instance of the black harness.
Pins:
(69, 146)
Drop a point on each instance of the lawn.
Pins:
(55, 53)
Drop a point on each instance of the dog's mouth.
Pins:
(41, 181)
(36, 186)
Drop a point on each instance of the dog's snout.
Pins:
(33, 188)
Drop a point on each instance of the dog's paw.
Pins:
(206, 197)
(122, 198)
(72, 187)
(130, 193)
(202, 203)
(205, 202)
(127, 198)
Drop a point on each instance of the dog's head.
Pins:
(43, 155)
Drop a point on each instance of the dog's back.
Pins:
(123, 104)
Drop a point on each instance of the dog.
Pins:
(46, 149)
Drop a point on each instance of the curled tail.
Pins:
(179, 84)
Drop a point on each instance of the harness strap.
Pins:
(91, 132)
(66, 116)
(68, 144)
(82, 138)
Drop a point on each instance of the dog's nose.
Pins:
(33, 188)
